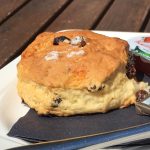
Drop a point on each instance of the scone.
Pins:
(76, 72)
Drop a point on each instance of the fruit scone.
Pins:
(77, 72)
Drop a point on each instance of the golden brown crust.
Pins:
(68, 79)
(103, 56)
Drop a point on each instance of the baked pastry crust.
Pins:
(67, 79)
(103, 57)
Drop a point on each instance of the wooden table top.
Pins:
(22, 20)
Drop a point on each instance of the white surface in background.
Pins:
(11, 108)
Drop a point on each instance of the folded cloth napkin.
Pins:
(36, 128)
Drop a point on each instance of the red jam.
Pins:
(140, 47)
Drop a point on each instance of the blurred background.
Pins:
(22, 20)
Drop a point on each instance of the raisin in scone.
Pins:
(76, 72)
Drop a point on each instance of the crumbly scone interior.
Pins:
(117, 93)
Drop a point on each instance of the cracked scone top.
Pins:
(52, 65)
(75, 72)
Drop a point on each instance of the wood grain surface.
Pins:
(148, 27)
(125, 15)
(80, 14)
(7, 7)
(147, 23)
(20, 28)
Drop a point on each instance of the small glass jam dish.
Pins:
(140, 47)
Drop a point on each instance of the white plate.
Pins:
(11, 108)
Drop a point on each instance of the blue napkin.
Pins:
(36, 128)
